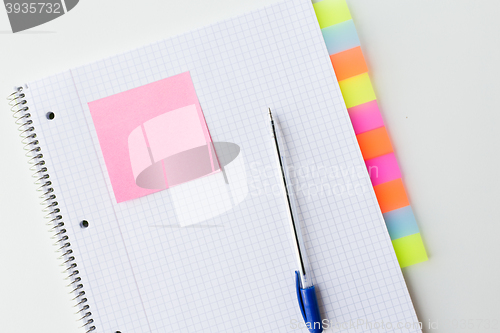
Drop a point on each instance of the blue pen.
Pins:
(306, 294)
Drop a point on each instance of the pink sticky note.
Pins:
(153, 137)
(166, 137)
(383, 169)
(365, 117)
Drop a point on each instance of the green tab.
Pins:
(409, 250)
(330, 12)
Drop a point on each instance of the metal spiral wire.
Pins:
(19, 107)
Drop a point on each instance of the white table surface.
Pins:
(435, 68)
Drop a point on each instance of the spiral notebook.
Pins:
(158, 174)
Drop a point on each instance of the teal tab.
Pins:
(340, 37)
(401, 222)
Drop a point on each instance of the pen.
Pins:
(306, 294)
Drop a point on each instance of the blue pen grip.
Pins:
(308, 303)
(311, 310)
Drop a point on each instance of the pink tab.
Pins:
(365, 117)
(383, 169)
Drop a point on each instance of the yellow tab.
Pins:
(410, 250)
(330, 12)
(357, 90)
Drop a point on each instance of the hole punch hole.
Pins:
(84, 224)
(118, 332)
(50, 115)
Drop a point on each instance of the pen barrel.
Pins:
(291, 207)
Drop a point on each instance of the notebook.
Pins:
(159, 180)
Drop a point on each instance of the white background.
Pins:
(435, 69)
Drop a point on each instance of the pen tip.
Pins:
(270, 114)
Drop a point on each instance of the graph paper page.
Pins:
(216, 255)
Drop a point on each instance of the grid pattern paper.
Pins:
(142, 272)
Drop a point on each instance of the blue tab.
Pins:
(340, 37)
(401, 222)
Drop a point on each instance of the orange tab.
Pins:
(374, 143)
(349, 63)
(391, 195)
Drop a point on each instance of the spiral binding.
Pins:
(19, 106)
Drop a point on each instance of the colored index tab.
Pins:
(331, 12)
(401, 222)
(391, 195)
(357, 90)
(383, 169)
(374, 143)
(365, 117)
(340, 37)
(410, 250)
(343, 45)
(349, 63)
